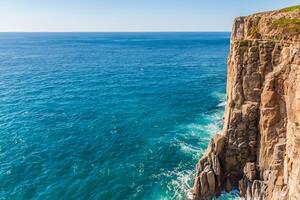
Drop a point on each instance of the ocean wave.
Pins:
(219, 95)
(187, 148)
(222, 104)
(204, 126)
(201, 130)
(181, 184)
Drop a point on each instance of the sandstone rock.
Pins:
(196, 191)
(250, 171)
(219, 143)
(204, 184)
(259, 148)
(190, 195)
(243, 187)
(228, 185)
(211, 182)
(216, 165)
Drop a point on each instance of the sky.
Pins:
(128, 15)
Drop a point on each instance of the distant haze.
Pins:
(128, 15)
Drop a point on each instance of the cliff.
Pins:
(258, 151)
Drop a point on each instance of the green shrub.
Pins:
(290, 24)
(243, 43)
(291, 9)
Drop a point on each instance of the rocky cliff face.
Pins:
(258, 151)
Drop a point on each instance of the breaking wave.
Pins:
(192, 140)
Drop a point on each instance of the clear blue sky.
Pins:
(128, 15)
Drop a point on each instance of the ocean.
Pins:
(107, 115)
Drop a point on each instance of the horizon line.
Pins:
(115, 32)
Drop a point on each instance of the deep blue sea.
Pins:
(107, 115)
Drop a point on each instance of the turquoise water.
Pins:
(107, 115)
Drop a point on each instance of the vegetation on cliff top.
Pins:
(291, 8)
(290, 24)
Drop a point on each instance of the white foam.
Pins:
(181, 184)
(187, 148)
(222, 104)
(202, 129)
(220, 96)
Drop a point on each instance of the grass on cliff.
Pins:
(289, 24)
(291, 9)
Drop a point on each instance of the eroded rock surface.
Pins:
(258, 151)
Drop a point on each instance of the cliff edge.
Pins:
(258, 151)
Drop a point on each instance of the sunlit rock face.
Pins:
(258, 151)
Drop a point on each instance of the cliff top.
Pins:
(283, 24)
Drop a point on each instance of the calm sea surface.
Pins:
(107, 115)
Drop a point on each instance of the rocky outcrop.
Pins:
(258, 151)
